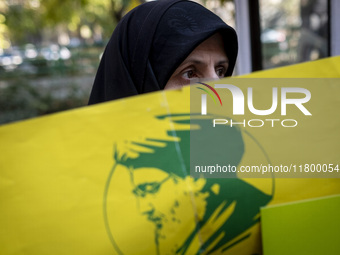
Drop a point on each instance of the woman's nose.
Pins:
(210, 75)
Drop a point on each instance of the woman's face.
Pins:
(207, 61)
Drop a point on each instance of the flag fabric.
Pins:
(113, 179)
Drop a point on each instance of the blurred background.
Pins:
(50, 50)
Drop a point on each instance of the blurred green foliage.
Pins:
(51, 87)
(28, 21)
(49, 83)
(22, 99)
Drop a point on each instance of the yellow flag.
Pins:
(114, 178)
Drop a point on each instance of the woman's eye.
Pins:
(189, 74)
(221, 71)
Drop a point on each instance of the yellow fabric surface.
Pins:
(60, 195)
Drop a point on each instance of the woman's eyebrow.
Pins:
(200, 62)
(223, 62)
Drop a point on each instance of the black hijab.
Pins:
(150, 42)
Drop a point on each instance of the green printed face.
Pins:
(177, 213)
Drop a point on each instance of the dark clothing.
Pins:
(150, 42)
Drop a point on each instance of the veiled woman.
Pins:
(164, 44)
